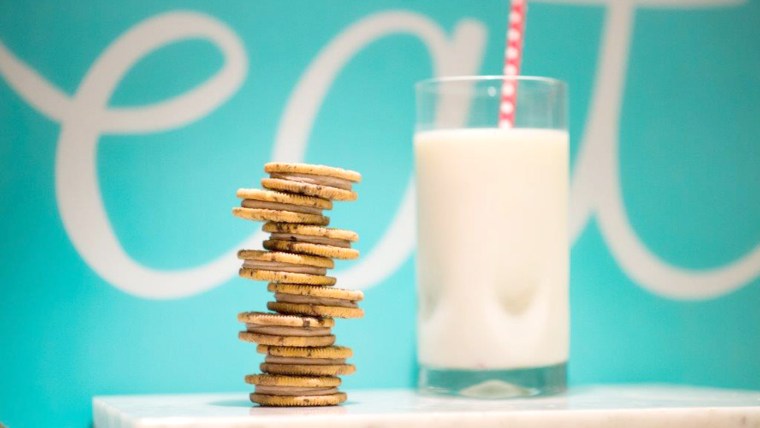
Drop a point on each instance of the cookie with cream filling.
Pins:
(285, 262)
(312, 180)
(286, 330)
(266, 205)
(276, 390)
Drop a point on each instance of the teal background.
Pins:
(690, 172)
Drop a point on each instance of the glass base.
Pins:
(494, 384)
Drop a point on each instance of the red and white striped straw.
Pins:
(512, 59)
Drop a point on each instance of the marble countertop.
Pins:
(598, 406)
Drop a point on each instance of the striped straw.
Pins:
(512, 59)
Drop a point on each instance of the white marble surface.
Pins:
(600, 406)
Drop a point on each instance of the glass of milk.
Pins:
(493, 255)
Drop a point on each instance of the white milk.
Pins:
(492, 248)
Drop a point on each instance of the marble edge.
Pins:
(726, 417)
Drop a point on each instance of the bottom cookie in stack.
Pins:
(275, 390)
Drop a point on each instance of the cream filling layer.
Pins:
(293, 390)
(279, 206)
(312, 300)
(283, 267)
(320, 180)
(292, 237)
(306, 361)
(288, 331)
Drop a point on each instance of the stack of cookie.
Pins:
(301, 363)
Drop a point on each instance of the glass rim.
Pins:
(481, 78)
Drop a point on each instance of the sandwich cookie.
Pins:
(285, 330)
(311, 180)
(313, 240)
(326, 361)
(285, 267)
(273, 390)
(315, 301)
(266, 205)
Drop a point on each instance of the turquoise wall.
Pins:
(115, 239)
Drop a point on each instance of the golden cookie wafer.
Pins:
(289, 277)
(312, 169)
(315, 310)
(311, 231)
(293, 381)
(318, 298)
(272, 319)
(323, 352)
(298, 400)
(319, 292)
(312, 249)
(299, 341)
(258, 214)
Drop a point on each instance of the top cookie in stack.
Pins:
(301, 363)
(312, 180)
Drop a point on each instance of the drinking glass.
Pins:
(492, 233)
